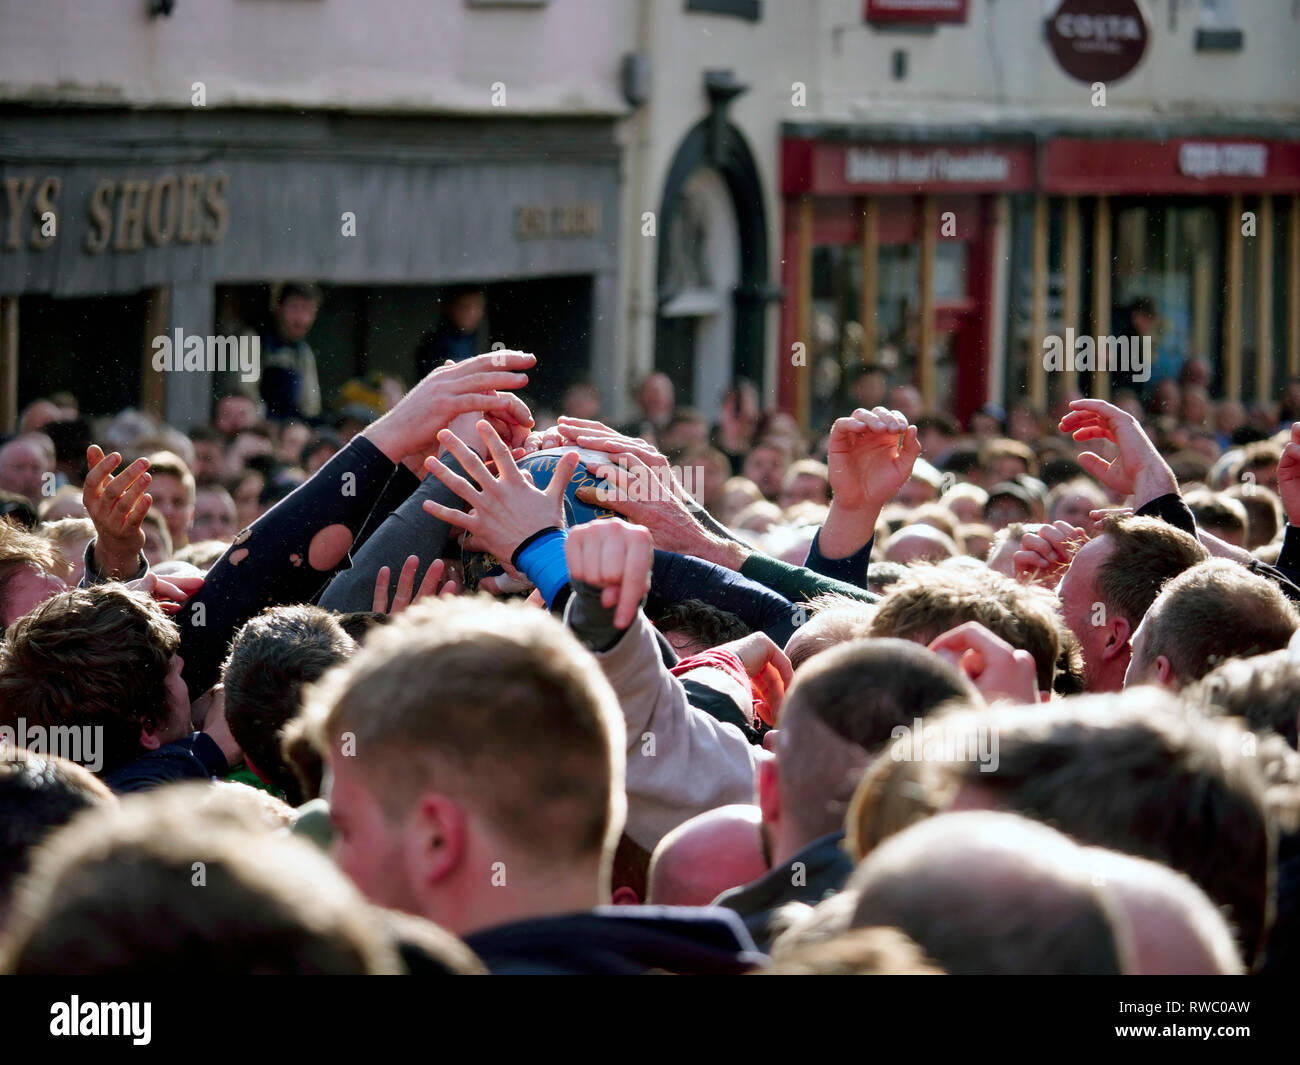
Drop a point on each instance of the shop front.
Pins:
(117, 228)
(893, 254)
(1205, 227)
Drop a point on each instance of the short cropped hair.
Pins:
(1215, 611)
(20, 550)
(843, 707)
(495, 704)
(272, 659)
(168, 462)
(1145, 553)
(1136, 772)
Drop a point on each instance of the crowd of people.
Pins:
(389, 694)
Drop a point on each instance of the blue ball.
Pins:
(541, 465)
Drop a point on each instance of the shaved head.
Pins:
(707, 855)
(1174, 928)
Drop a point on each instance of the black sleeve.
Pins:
(850, 570)
(1172, 509)
(268, 564)
(407, 531)
(678, 577)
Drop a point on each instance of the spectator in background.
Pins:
(234, 414)
(173, 491)
(209, 455)
(289, 385)
(26, 467)
(456, 335)
(765, 465)
(215, 515)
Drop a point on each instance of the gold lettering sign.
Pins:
(124, 215)
(534, 222)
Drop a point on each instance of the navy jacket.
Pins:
(196, 757)
(620, 941)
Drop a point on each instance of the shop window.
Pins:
(1220, 27)
(1172, 254)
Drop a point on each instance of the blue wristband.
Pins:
(543, 563)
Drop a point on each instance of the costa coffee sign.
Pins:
(1097, 40)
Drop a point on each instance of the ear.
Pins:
(769, 791)
(624, 896)
(437, 839)
(148, 740)
(1164, 672)
(1119, 641)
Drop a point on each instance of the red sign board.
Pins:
(915, 11)
(894, 169)
(1190, 165)
(1097, 40)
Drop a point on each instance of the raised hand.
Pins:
(769, 670)
(650, 497)
(1288, 477)
(404, 596)
(171, 593)
(997, 669)
(616, 557)
(870, 457)
(506, 508)
(1138, 470)
(1046, 553)
(117, 506)
(482, 384)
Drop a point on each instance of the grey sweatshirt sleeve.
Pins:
(680, 761)
(407, 531)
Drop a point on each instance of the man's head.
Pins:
(836, 619)
(23, 466)
(1136, 773)
(1220, 515)
(985, 893)
(806, 482)
(692, 625)
(703, 857)
(843, 707)
(114, 893)
(99, 657)
(38, 793)
(765, 465)
(31, 570)
(1214, 611)
(234, 414)
(172, 489)
(295, 310)
(272, 659)
(919, 543)
(465, 309)
(1112, 582)
(656, 398)
(1004, 460)
(931, 600)
(476, 759)
(1174, 928)
(215, 517)
(1264, 691)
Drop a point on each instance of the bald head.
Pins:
(991, 893)
(1174, 928)
(919, 543)
(707, 855)
(23, 465)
